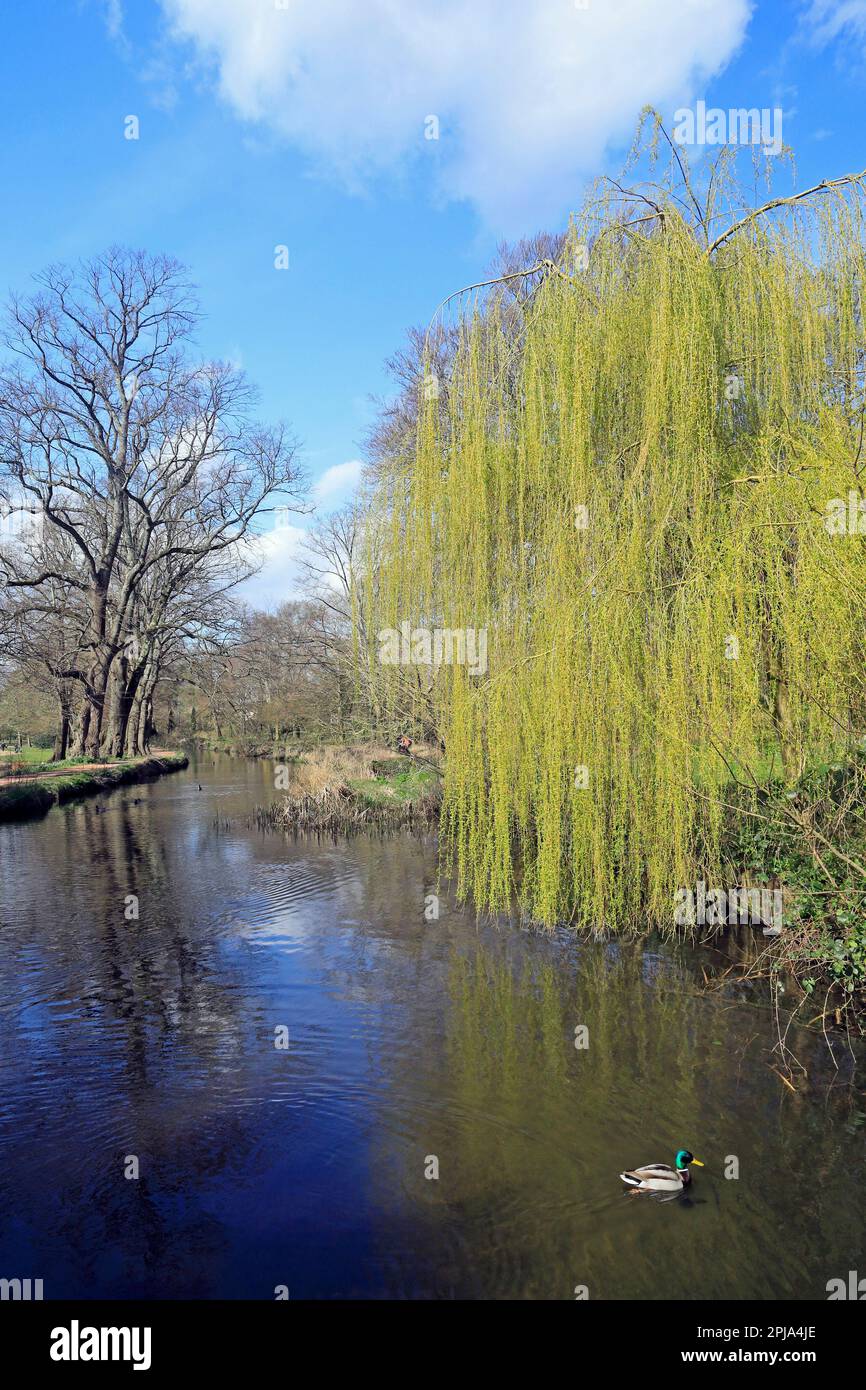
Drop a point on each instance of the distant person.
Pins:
(404, 744)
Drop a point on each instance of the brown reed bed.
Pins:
(341, 789)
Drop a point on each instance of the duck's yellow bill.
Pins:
(698, 1162)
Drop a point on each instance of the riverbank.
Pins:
(340, 788)
(807, 840)
(22, 797)
(800, 849)
(284, 750)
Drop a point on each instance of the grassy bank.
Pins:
(33, 796)
(344, 788)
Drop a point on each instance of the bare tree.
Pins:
(148, 465)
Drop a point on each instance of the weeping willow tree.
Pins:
(641, 480)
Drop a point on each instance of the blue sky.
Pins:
(304, 124)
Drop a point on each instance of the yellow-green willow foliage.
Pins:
(698, 619)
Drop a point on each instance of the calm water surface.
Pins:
(262, 1167)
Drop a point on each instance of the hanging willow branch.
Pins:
(628, 491)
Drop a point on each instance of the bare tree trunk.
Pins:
(147, 730)
(94, 745)
(61, 741)
(97, 682)
(140, 720)
(79, 738)
(130, 746)
(122, 710)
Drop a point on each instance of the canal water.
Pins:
(153, 1044)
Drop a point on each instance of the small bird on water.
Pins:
(661, 1177)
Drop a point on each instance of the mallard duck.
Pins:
(661, 1177)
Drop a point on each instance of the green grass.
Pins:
(34, 756)
(405, 787)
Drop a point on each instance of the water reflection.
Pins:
(154, 1037)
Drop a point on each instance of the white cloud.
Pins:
(528, 93)
(279, 548)
(114, 18)
(829, 19)
(277, 580)
(342, 477)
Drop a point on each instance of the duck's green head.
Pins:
(684, 1158)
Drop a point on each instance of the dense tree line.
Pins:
(292, 672)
